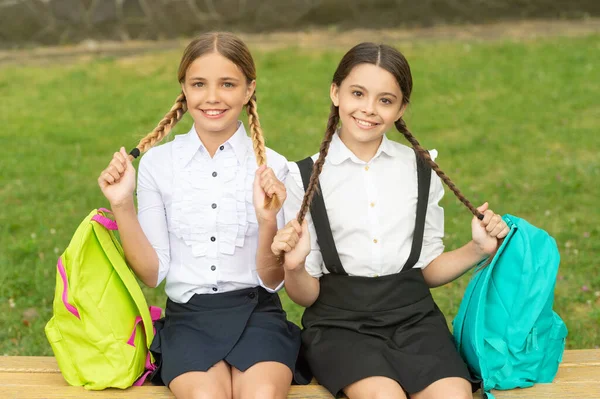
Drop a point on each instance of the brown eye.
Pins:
(357, 93)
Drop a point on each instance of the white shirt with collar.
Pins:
(371, 208)
(198, 213)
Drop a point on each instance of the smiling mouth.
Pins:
(213, 113)
(365, 124)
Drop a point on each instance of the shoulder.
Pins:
(275, 159)
(402, 151)
(407, 153)
(162, 152)
(294, 176)
(277, 162)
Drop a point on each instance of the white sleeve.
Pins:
(433, 245)
(295, 194)
(152, 215)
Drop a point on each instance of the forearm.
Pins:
(301, 287)
(451, 265)
(268, 265)
(140, 254)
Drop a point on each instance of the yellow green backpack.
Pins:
(101, 326)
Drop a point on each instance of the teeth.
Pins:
(213, 113)
(365, 123)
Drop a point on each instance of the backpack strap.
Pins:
(423, 182)
(320, 220)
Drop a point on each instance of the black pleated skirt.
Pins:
(386, 326)
(242, 327)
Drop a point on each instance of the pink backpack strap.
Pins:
(106, 222)
(155, 313)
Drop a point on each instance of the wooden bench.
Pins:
(39, 377)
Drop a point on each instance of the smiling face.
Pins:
(369, 100)
(216, 90)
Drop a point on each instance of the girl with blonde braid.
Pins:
(371, 247)
(208, 209)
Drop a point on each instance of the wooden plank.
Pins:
(16, 363)
(578, 374)
(581, 357)
(553, 391)
(566, 375)
(39, 377)
(44, 392)
(578, 357)
(541, 391)
(49, 379)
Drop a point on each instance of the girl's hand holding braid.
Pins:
(117, 181)
(266, 184)
(488, 233)
(293, 243)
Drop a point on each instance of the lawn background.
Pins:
(515, 123)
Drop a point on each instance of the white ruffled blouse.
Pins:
(198, 214)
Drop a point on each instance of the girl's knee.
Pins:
(375, 388)
(211, 391)
(264, 390)
(385, 394)
(447, 388)
(458, 395)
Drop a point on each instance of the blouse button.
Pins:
(214, 174)
(375, 240)
(213, 268)
(213, 239)
(215, 289)
(372, 204)
(222, 148)
(251, 295)
(214, 206)
(367, 167)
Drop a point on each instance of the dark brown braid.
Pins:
(402, 128)
(165, 126)
(332, 123)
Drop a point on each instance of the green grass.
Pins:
(515, 124)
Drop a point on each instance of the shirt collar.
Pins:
(338, 152)
(191, 144)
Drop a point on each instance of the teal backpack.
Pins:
(506, 329)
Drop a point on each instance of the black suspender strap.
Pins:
(423, 181)
(321, 221)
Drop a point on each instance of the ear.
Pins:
(401, 111)
(250, 91)
(334, 93)
(183, 89)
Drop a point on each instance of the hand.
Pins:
(266, 184)
(293, 242)
(117, 181)
(488, 232)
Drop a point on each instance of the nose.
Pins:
(212, 96)
(368, 108)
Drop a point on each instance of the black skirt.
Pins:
(387, 326)
(242, 327)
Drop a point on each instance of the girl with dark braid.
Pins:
(208, 209)
(363, 259)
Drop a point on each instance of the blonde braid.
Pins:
(258, 143)
(163, 128)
